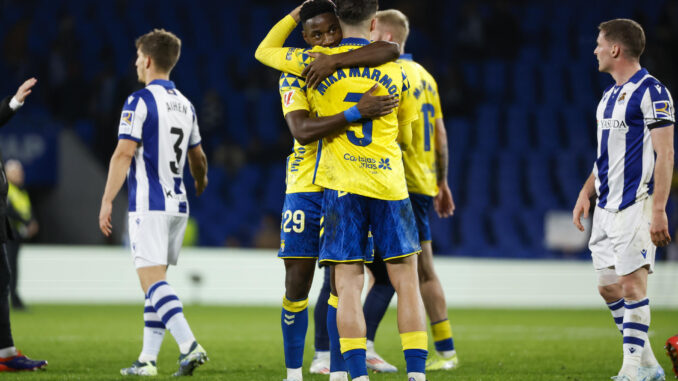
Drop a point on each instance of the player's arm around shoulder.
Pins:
(323, 65)
(197, 163)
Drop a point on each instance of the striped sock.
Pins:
(617, 309)
(168, 306)
(635, 327)
(415, 346)
(154, 332)
(354, 350)
(294, 322)
(442, 337)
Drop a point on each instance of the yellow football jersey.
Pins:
(301, 162)
(366, 158)
(420, 157)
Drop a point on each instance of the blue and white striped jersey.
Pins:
(164, 122)
(624, 168)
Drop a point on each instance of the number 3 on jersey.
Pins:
(174, 165)
(298, 221)
(367, 124)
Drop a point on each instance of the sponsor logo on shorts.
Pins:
(282, 245)
(643, 253)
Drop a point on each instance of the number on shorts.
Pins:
(297, 218)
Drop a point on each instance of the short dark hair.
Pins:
(354, 12)
(626, 32)
(313, 8)
(162, 46)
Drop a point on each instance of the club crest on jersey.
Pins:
(662, 110)
(288, 98)
(621, 99)
(126, 122)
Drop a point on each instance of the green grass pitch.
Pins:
(84, 342)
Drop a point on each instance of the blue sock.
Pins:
(294, 322)
(416, 360)
(337, 363)
(355, 361)
(376, 304)
(322, 339)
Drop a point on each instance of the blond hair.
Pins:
(398, 23)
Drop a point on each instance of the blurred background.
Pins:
(518, 82)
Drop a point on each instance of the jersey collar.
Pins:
(634, 78)
(406, 56)
(639, 75)
(354, 41)
(164, 83)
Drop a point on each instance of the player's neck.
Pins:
(152, 76)
(355, 31)
(623, 72)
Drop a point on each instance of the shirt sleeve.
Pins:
(657, 107)
(407, 110)
(132, 119)
(293, 93)
(195, 139)
(271, 52)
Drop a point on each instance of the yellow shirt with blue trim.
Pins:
(301, 162)
(364, 159)
(420, 156)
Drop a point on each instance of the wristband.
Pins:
(352, 114)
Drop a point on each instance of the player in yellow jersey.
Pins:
(426, 161)
(364, 178)
(301, 211)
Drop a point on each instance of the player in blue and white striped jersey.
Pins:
(158, 131)
(631, 177)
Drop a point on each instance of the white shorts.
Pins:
(156, 238)
(622, 240)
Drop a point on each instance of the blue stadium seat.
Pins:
(487, 127)
(524, 85)
(547, 126)
(539, 187)
(494, 80)
(509, 181)
(517, 128)
(478, 182)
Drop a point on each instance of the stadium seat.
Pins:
(517, 130)
(494, 80)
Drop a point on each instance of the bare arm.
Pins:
(662, 141)
(374, 54)
(443, 202)
(584, 202)
(306, 129)
(197, 163)
(117, 171)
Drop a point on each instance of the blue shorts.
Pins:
(346, 219)
(300, 225)
(421, 204)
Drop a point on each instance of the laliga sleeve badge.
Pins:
(288, 98)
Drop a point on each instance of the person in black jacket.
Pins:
(10, 358)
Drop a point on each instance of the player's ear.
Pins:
(373, 24)
(147, 64)
(616, 50)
